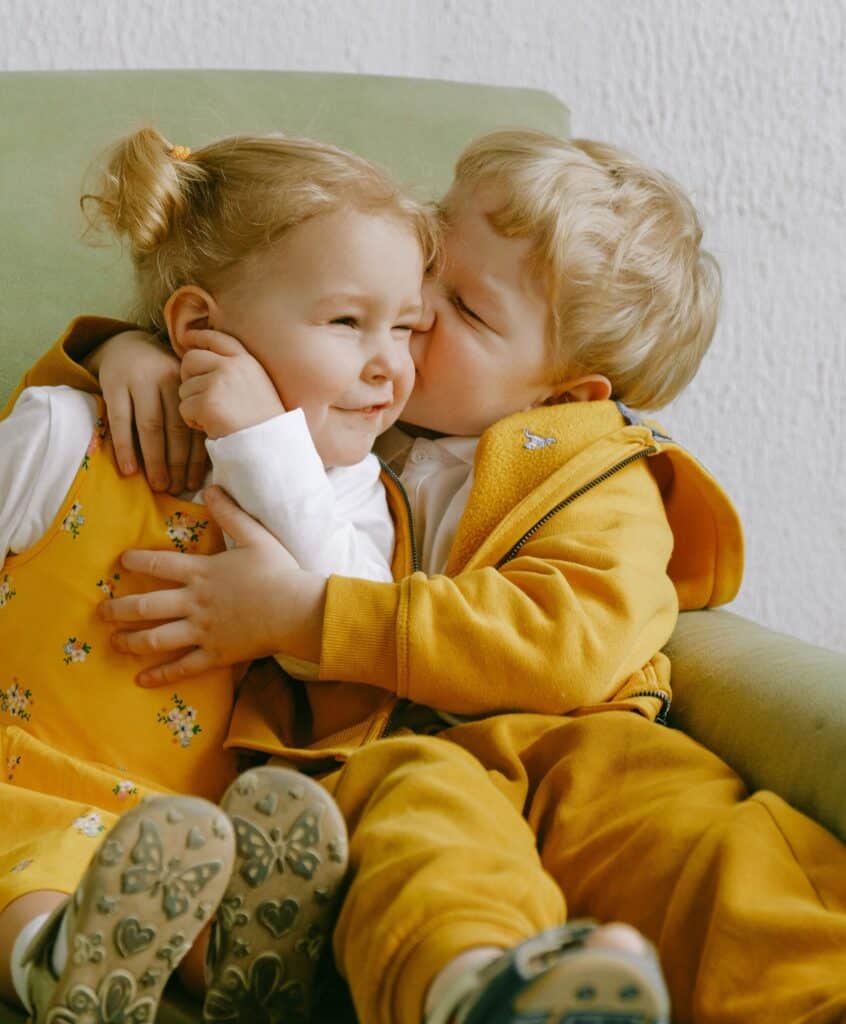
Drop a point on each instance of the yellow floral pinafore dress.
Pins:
(80, 742)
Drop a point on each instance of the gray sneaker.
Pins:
(554, 978)
(277, 914)
(150, 888)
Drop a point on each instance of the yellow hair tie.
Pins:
(180, 152)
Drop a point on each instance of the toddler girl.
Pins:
(313, 260)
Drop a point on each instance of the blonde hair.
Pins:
(189, 217)
(632, 294)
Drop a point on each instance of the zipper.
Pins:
(402, 702)
(651, 450)
(415, 561)
(661, 717)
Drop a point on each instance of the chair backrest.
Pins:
(53, 124)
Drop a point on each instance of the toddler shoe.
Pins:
(149, 890)
(554, 978)
(277, 914)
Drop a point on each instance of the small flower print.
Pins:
(108, 584)
(12, 766)
(16, 701)
(22, 865)
(181, 720)
(124, 789)
(89, 824)
(7, 590)
(184, 531)
(74, 520)
(75, 650)
(97, 438)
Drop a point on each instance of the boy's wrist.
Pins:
(302, 628)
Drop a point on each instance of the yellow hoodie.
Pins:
(585, 532)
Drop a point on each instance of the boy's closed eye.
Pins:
(464, 309)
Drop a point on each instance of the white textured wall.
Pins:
(743, 102)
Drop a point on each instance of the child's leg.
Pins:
(441, 863)
(18, 915)
(744, 897)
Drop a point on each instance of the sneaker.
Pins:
(150, 888)
(277, 914)
(554, 978)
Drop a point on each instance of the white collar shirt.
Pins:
(437, 475)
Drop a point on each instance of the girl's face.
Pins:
(328, 312)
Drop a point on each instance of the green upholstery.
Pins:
(53, 124)
(771, 706)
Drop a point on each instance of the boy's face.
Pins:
(328, 312)
(486, 354)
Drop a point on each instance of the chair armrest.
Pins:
(771, 706)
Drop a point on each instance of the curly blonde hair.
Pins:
(632, 293)
(189, 217)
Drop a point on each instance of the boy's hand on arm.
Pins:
(139, 378)
(250, 601)
(224, 388)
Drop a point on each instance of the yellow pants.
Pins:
(472, 838)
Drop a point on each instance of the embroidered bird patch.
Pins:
(534, 441)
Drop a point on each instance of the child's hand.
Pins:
(224, 388)
(250, 601)
(139, 378)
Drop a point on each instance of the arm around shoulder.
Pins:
(62, 363)
(585, 604)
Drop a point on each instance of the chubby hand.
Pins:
(224, 388)
(139, 378)
(250, 601)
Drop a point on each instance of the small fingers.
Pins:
(178, 442)
(150, 424)
(190, 409)
(172, 636)
(119, 412)
(164, 565)
(190, 664)
(198, 361)
(212, 341)
(193, 386)
(157, 606)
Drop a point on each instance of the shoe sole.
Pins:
(149, 891)
(595, 986)
(277, 914)
(554, 979)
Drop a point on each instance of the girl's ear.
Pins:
(189, 308)
(592, 388)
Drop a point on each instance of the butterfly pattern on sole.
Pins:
(278, 911)
(141, 904)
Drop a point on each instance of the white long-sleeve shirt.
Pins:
(332, 521)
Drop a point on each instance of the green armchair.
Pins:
(768, 704)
